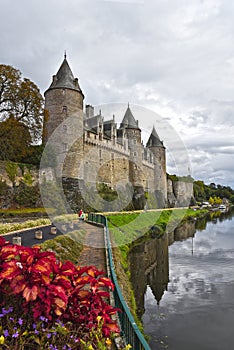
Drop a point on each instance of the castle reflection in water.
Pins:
(149, 263)
(149, 260)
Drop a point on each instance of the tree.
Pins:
(20, 99)
(211, 200)
(15, 140)
(12, 170)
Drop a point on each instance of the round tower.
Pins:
(160, 176)
(63, 98)
(133, 136)
(64, 120)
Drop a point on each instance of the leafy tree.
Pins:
(12, 170)
(34, 155)
(211, 200)
(3, 187)
(232, 199)
(212, 185)
(15, 140)
(217, 200)
(27, 196)
(21, 100)
(199, 190)
(212, 192)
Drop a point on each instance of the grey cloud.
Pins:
(174, 56)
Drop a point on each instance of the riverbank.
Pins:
(128, 229)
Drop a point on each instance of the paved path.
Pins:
(93, 252)
(94, 248)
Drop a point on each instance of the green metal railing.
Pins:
(129, 329)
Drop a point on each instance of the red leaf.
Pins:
(111, 327)
(104, 281)
(68, 269)
(10, 270)
(31, 294)
(18, 284)
(42, 265)
(8, 252)
(3, 242)
(63, 281)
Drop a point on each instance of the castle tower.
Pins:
(64, 113)
(157, 148)
(158, 278)
(133, 135)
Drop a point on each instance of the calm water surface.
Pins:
(194, 308)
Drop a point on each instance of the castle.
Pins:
(95, 150)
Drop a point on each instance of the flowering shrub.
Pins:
(52, 300)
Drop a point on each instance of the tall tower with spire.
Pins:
(64, 118)
(132, 132)
(160, 177)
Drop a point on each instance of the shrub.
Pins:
(41, 287)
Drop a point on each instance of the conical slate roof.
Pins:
(154, 140)
(64, 78)
(128, 120)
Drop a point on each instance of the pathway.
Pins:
(93, 252)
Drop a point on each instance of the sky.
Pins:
(172, 58)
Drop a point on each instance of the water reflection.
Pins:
(149, 263)
(200, 289)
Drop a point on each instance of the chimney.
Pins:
(89, 111)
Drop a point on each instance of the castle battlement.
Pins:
(109, 154)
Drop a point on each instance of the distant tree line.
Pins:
(204, 192)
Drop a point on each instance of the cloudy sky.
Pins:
(172, 57)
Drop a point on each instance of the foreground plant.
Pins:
(50, 299)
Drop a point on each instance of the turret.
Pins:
(129, 127)
(63, 99)
(157, 148)
(64, 113)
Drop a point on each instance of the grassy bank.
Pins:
(23, 212)
(128, 228)
(11, 227)
(66, 247)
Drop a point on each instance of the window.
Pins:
(64, 129)
(64, 145)
(64, 109)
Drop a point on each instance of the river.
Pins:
(184, 286)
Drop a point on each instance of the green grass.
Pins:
(6, 228)
(66, 247)
(21, 212)
(66, 218)
(128, 227)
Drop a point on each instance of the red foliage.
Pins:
(50, 288)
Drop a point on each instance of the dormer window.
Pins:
(64, 110)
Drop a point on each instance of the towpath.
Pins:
(93, 252)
